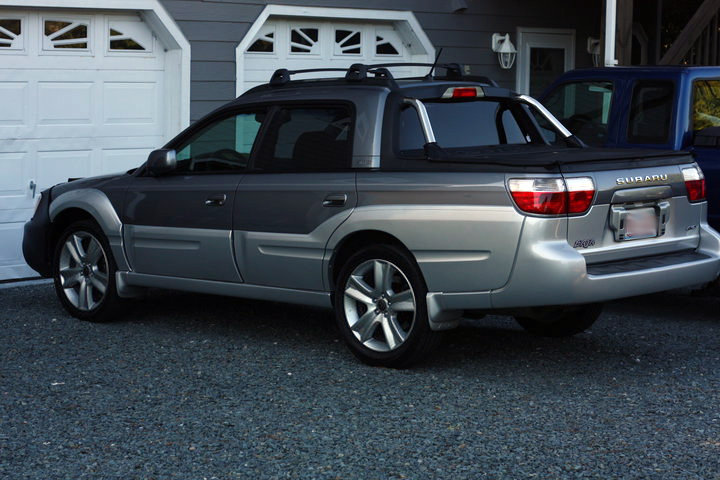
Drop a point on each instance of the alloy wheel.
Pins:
(379, 305)
(83, 270)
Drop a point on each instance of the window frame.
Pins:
(218, 117)
(147, 53)
(273, 110)
(691, 121)
(673, 106)
(89, 20)
(23, 37)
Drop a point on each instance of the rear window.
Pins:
(651, 112)
(477, 123)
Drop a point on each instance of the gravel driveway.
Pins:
(194, 386)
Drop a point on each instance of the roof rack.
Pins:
(358, 72)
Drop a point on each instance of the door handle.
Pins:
(335, 200)
(216, 200)
(33, 187)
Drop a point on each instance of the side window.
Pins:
(651, 112)
(222, 146)
(584, 108)
(307, 139)
(706, 104)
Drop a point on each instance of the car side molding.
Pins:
(126, 280)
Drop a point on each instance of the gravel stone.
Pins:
(192, 386)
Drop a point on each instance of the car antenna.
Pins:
(429, 76)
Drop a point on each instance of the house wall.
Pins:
(215, 27)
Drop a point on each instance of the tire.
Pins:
(560, 321)
(83, 265)
(387, 324)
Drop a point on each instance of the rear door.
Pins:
(180, 224)
(299, 190)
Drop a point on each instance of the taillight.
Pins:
(552, 196)
(581, 191)
(694, 183)
(463, 92)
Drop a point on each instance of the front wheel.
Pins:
(559, 321)
(84, 273)
(381, 309)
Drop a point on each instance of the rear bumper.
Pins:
(36, 239)
(554, 273)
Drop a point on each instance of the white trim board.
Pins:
(177, 58)
(528, 38)
(404, 20)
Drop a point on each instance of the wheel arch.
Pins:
(89, 203)
(351, 242)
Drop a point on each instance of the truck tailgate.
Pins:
(638, 211)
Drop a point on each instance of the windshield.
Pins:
(478, 123)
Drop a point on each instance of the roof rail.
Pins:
(358, 72)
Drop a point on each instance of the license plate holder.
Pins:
(639, 223)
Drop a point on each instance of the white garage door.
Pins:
(80, 95)
(306, 43)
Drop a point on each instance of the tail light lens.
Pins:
(581, 191)
(694, 183)
(552, 196)
(463, 92)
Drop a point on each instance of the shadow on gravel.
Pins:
(493, 342)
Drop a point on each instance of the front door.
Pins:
(180, 224)
(300, 189)
(543, 55)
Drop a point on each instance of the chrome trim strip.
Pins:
(527, 99)
(424, 118)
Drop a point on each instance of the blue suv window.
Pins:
(651, 112)
(584, 109)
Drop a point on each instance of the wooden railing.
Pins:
(699, 42)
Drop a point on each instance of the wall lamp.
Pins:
(593, 48)
(505, 50)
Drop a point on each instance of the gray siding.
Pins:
(215, 27)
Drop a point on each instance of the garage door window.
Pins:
(223, 146)
(348, 42)
(66, 34)
(11, 37)
(265, 42)
(387, 43)
(304, 40)
(128, 36)
(307, 138)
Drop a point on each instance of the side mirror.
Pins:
(161, 161)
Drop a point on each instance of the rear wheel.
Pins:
(84, 272)
(381, 310)
(560, 321)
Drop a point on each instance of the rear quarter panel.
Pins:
(461, 226)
